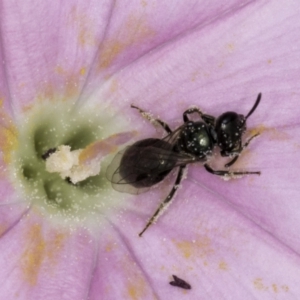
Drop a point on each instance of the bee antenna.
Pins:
(254, 106)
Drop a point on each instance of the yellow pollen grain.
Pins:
(223, 266)
(60, 70)
(136, 290)
(82, 71)
(230, 47)
(221, 64)
(109, 247)
(285, 288)
(258, 284)
(144, 3)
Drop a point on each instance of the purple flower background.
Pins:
(236, 239)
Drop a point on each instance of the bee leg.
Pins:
(229, 173)
(152, 120)
(232, 161)
(241, 149)
(166, 202)
(190, 111)
(208, 119)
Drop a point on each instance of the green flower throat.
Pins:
(46, 127)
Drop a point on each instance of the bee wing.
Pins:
(172, 137)
(129, 175)
(121, 182)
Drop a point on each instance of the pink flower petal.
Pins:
(228, 62)
(50, 55)
(229, 240)
(202, 239)
(42, 261)
(49, 47)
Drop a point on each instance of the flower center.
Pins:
(44, 129)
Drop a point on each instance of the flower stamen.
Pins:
(81, 164)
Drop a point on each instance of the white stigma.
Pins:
(66, 163)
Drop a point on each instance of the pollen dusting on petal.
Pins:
(8, 136)
(111, 50)
(144, 3)
(201, 247)
(8, 142)
(223, 266)
(136, 289)
(231, 47)
(185, 248)
(59, 70)
(132, 32)
(40, 253)
(275, 134)
(85, 37)
(259, 284)
(71, 80)
(84, 27)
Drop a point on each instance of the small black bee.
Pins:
(147, 162)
